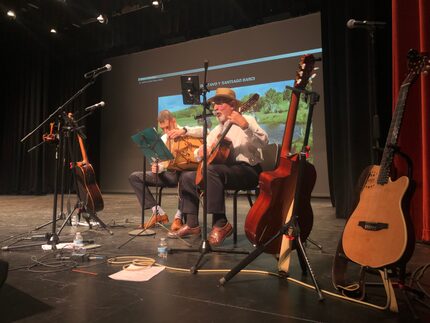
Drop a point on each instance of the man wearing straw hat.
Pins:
(241, 172)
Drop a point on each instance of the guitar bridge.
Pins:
(373, 226)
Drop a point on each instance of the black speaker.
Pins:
(4, 267)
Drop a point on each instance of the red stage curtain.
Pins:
(411, 29)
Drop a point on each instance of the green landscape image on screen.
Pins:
(270, 111)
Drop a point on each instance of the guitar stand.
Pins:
(287, 229)
(315, 243)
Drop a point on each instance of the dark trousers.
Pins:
(165, 179)
(220, 178)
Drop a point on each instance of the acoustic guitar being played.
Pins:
(220, 150)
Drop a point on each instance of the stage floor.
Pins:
(36, 293)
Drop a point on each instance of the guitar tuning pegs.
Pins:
(299, 81)
(313, 76)
(316, 68)
(301, 73)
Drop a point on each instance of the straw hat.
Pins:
(223, 92)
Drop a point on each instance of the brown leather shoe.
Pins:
(159, 218)
(218, 235)
(184, 231)
(176, 225)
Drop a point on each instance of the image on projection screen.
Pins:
(270, 111)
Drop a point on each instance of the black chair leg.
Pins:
(160, 194)
(235, 217)
(248, 195)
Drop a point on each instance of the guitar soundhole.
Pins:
(373, 226)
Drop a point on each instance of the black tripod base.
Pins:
(206, 248)
(203, 249)
(98, 220)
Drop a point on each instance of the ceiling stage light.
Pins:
(11, 14)
(103, 19)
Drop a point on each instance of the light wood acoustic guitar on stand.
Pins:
(88, 190)
(377, 234)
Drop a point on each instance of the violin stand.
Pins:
(291, 229)
(155, 150)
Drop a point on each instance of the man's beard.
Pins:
(221, 118)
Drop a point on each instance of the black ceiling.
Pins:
(135, 25)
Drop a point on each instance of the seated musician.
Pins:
(240, 173)
(166, 178)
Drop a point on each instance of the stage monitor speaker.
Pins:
(4, 267)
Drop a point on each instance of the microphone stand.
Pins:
(205, 247)
(372, 94)
(53, 238)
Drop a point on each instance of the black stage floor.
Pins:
(33, 294)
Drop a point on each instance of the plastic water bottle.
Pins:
(78, 241)
(74, 220)
(162, 248)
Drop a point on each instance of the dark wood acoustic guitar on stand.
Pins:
(274, 205)
(377, 234)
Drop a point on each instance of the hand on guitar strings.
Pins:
(155, 168)
(175, 133)
(238, 119)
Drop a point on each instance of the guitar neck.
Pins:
(289, 127)
(83, 151)
(393, 134)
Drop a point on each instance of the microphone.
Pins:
(98, 71)
(206, 64)
(95, 106)
(352, 23)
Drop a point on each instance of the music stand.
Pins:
(154, 149)
(190, 89)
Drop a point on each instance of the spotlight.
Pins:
(11, 14)
(103, 19)
(53, 31)
(158, 4)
